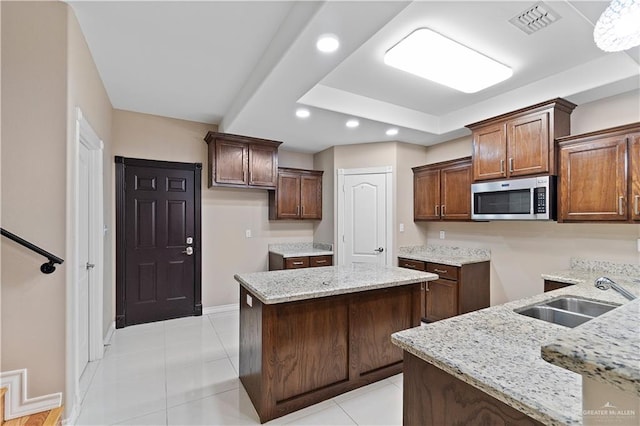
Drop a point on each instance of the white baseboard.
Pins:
(109, 335)
(16, 403)
(220, 309)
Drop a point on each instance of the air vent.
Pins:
(535, 18)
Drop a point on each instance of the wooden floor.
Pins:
(45, 418)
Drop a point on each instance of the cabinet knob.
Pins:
(636, 208)
(620, 205)
(502, 166)
(440, 271)
(437, 212)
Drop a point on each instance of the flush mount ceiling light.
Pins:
(327, 43)
(430, 55)
(618, 27)
(352, 124)
(392, 132)
(302, 113)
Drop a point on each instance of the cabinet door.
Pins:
(441, 300)
(263, 165)
(231, 162)
(456, 192)
(593, 180)
(310, 196)
(528, 145)
(426, 195)
(288, 194)
(634, 157)
(489, 152)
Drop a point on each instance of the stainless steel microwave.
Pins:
(515, 199)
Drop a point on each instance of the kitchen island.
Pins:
(488, 365)
(307, 335)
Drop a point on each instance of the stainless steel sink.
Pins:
(567, 311)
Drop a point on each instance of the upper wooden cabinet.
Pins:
(520, 143)
(242, 161)
(442, 191)
(595, 183)
(298, 195)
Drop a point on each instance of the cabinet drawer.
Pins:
(320, 261)
(444, 271)
(296, 262)
(411, 264)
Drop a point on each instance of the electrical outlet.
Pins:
(249, 300)
(638, 245)
(247, 233)
(442, 235)
(402, 227)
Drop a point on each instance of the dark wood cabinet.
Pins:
(550, 285)
(298, 195)
(458, 290)
(433, 397)
(442, 191)
(278, 262)
(520, 143)
(599, 176)
(296, 354)
(634, 166)
(242, 161)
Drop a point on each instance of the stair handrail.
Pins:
(47, 267)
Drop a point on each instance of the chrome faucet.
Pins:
(604, 283)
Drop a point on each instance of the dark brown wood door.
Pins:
(456, 192)
(489, 152)
(593, 180)
(634, 157)
(231, 162)
(528, 145)
(161, 269)
(310, 196)
(263, 165)
(426, 195)
(288, 194)
(441, 300)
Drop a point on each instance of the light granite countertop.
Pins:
(499, 352)
(309, 283)
(616, 333)
(287, 250)
(446, 255)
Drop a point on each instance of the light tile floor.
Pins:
(185, 372)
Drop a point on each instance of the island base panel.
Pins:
(433, 397)
(297, 354)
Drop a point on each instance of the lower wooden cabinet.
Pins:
(458, 290)
(550, 285)
(278, 262)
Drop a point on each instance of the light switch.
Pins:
(402, 227)
(247, 233)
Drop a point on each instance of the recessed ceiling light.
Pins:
(353, 123)
(328, 43)
(302, 113)
(392, 132)
(430, 55)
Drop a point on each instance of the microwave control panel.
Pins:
(540, 200)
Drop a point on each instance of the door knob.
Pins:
(89, 266)
(379, 250)
(188, 251)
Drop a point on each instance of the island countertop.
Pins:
(498, 351)
(301, 284)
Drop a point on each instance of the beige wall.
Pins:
(226, 213)
(34, 134)
(87, 92)
(324, 230)
(521, 251)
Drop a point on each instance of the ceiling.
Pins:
(247, 66)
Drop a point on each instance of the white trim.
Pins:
(110, 332)
(16, 403)
(86, 136)
(233, 307)
(388, 172)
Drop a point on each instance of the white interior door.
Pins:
(365, 219)
(83, 281)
